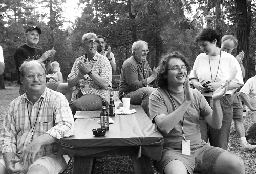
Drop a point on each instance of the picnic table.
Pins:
(134, 135)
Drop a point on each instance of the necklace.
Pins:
(213, 80)
(174, 108)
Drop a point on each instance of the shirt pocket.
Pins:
(45, 126)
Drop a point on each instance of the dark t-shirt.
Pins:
(25, 52)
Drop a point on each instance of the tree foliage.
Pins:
(162, 23)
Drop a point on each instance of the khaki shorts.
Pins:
(54, 164)
(202, 159)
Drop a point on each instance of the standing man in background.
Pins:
(101, 48)
(228, 43)
(30, 50)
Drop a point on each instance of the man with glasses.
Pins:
(136, 75)
(30, 50)
(228, 44)
(34, 121)
(91, 76)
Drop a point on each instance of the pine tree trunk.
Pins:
(2, 86)
(243, 33)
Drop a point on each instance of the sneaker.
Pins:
(247, 146)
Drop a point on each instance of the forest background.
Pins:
(167, 25)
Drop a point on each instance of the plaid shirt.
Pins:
(50, 114)
(101, 66)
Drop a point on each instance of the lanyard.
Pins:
(213, 80)
(141, 69)
(182, 121)
(30, 113)
(140, 66)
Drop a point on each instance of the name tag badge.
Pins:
(186, 147)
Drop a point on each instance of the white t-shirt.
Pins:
(111, 56)
(217, 68)
(249, 87)
(1, 55)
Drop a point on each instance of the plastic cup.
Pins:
(126, 103)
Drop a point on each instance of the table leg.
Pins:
(142, 165)
(83, 165)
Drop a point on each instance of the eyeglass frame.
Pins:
(38, 76)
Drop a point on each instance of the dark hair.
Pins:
(162, 75)
(208, 34)
(100, 36)
(33, 27)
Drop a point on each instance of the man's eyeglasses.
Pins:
(177, 67)
(89, 41)
(33, 76)
(145, 51)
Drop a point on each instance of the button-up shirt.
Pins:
(134, 75)
(50, 114)
(101, 66)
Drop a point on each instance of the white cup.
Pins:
(126, 103)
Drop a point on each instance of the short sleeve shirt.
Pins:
(249, 88)
(160, 104)
(101, 66)
(217, 68)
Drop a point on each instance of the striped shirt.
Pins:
(49, 115)
(101, 66)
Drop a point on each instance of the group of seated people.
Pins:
(40, 116)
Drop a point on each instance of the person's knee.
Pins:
(175, 167)
(38, 169)
(228, 163)
(2, 169)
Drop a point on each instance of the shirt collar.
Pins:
(25, 97)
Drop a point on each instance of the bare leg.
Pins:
(228, 163)
(2, 169)
(38, 169)
(175, 167)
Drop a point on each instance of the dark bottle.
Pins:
(111, 106)
(104, 120)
